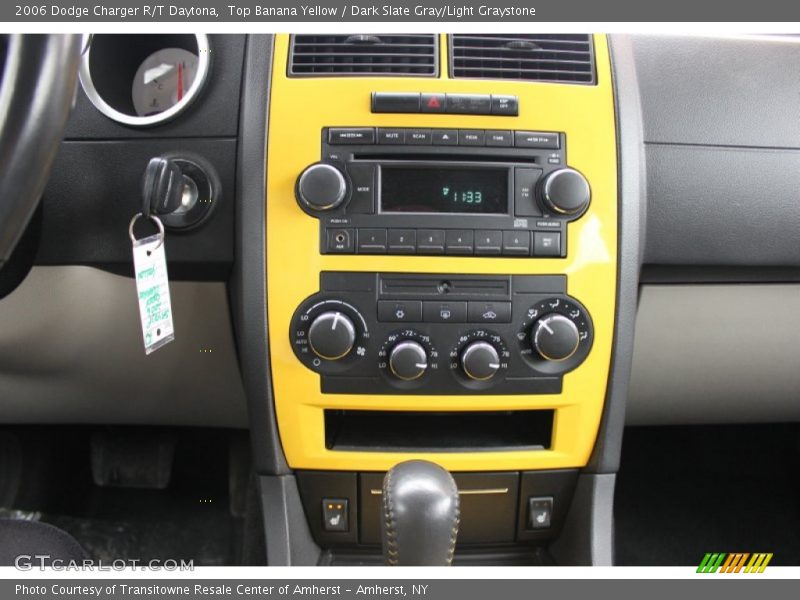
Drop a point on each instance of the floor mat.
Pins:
(685, 491)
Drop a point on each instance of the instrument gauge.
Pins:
(163, 80)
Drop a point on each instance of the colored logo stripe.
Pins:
(734, 562)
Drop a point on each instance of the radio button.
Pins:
(445, 137)
(340, 241)
(362, 198)
(489, 312)
(399, 311)
(537, 139)
(391, 102)
(469, 104)
(517, 243)
(488, 243)
(391, 136)
(546, 243)
(402, 241)
(444, 312)
(430, 241)
(525, 204)
(505, 105)
(499, 138)
(372, 241)
(459, 241)
(433, 103)
(351, 135)
(418, 137)
(472, 137)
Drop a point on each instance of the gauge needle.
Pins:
(180, 81)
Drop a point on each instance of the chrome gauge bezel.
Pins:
(203, 69)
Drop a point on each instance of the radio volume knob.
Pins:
(480, 361)
(565, 192)
(332, 335)
(408, 360)
(555, 337)
(321, 187)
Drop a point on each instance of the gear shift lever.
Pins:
(420, 517)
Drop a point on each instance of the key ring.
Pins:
(155, 220)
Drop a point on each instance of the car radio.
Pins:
(443, 191)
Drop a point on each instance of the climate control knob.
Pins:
(332, 335)
(565, 192)
(480, 361)
(555, 337)
(408, 360)
(321, 187)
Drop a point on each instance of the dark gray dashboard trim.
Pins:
(249, 283)
(631, 169)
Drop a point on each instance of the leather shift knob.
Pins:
(420, 515)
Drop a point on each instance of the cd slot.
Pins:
(504, 159)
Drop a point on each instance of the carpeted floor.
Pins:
(685, 491)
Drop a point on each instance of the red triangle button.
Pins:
(433, 102)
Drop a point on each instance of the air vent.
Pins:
(363, 54)
(558, 58)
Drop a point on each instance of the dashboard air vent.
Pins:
(363, 54)
(558, 58)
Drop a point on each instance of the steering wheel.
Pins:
(37, 87)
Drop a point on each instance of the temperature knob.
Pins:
(408, 360)
(555, 337)
(321, 187)
(480, 361)
(566, 192)
(332, 335)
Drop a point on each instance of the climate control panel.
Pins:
(374, 333)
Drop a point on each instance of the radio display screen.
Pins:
(444, 190)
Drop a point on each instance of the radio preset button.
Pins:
(469, 104)
(505, 105)
(402, 241)
(471, 137)
(372, 241)
(418, 137)
(362, 198)
(391, 102)
(445, 137)
(489, 312)
(444, 312)
(546, 243)
(517, 243)
(525, 204)
(391, 136)
(351, 135)
(400, 311)
(499, 138)
(488, 242)
(459, 241)
(430, 241)
(537, 139)
(340, 241)
(433, 103)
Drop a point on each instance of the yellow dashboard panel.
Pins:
(299, 109)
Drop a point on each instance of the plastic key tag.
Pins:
(152, 288)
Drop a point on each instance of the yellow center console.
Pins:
(440, 299)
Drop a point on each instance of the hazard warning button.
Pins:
(433, 103)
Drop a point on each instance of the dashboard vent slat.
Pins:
(363, 55)
(555, 58)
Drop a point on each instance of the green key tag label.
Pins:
(152, 288)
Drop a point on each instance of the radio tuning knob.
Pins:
(332, 335)
(480, 361)
(555, 337)
(408, 360)
(321, 187)
(565, 192)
